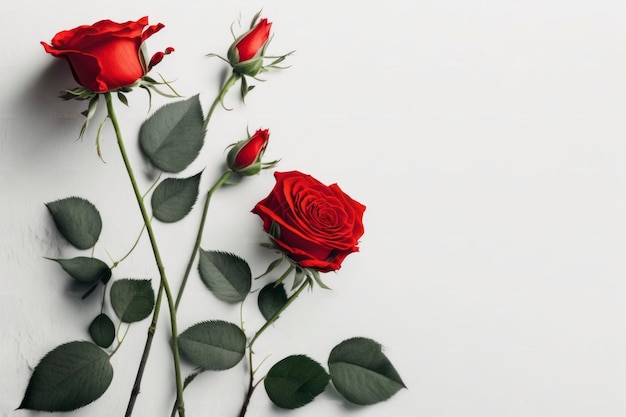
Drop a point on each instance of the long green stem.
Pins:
(164, 285)
(219, 99)
(221, 181)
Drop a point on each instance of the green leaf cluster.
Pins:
(358, 369)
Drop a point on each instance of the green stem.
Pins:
(272, 319)
(221, 181)
(164, 285)
(251, 385)
(234, 77)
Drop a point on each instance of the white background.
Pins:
(485, 137)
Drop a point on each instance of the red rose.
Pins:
(106, 55)
(316, 225)
(252, 42)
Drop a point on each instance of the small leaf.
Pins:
(84, 269)
(132, 299)
(69, 377)
(227, 276)
(295, 381)
(173, 136)
(272, 266)
(78, 221)
(213, 345)
(102, 331)
(362, 373)
(298, 278)
(271, 298)
(174, 198)
(121, 97)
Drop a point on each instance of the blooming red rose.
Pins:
(245, 156)
(106, 55)
(316, 225)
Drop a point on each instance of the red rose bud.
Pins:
(107, 55)
(253, 41)
(158, 57)
(245, 156)
(246, 53)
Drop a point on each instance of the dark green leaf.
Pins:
(174, 198)
(271, 298)
(295, 381)
(362, 373)
(227, 276)
(102, 331)
(132, 299)
(84, 269)
(272, 266)
(69, 377)
(78, 221)
(173, 136)
(213, 345)
(122, 98)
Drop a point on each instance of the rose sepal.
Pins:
(300, 273)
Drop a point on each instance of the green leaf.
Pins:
(78, 221)
(84, 269)
(271, 298)
(122, 98)
(362, 373)
(69, 377)
(132, 299)
(173, 136)
(227, 276)
(295, 381)
(102, 330)
(174, 198)
(213, 345)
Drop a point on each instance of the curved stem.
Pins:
(272, 319)
(234, 77)
(163, 287)
(251, 385)
(221, 181)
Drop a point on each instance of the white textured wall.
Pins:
(487, 139)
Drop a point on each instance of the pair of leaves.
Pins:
(132, 300)
(229, 278)
(172, 139)
(77, 373)
(359, 369)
